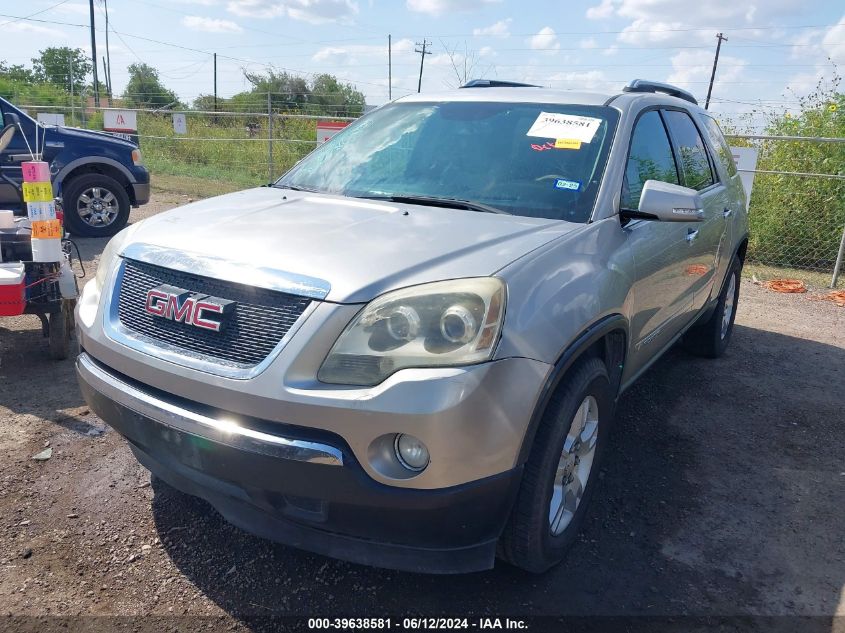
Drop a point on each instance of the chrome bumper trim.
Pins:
(216, 430)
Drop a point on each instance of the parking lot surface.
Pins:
(722, 495)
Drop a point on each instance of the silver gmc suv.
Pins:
(407, 351)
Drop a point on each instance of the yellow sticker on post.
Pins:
(47, 229)
(37, 192)
(567, 143)
(565, 126)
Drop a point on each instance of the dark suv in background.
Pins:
(100, 177)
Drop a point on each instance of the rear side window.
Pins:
(692, 154)
(717, 140)
(649, 158)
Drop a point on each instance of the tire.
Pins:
(84, 195)
(61, 326)
(532, 540)
(710, 339)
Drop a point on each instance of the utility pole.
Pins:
(215, 82)
(70, 81)
(108, 55)
(422, 53)
(719, 39)
(106, 76)
(94, 56)
(389, 68)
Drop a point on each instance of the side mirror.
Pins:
(666, 202)
(6, 136)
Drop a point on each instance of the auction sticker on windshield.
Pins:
(565, 126)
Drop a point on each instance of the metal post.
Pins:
(108, 54)
(270, 136)
(389, 69)
(215, 82)
(719, 38)
(94, 55)
(839, 258)
(423, 53)
(70, 81)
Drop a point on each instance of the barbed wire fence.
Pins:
(796, 215)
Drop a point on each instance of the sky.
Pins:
(776, 51)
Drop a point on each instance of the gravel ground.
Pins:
(722, 495)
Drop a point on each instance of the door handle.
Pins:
(727, 212)
(691, 235)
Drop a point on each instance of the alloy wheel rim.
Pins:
(574, 465)
(97, 206)
(728, 311)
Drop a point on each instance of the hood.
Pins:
(361, 248)
(91, 135)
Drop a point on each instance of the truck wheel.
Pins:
(61, 326)
(711, 338)
(559, 475)
(95, 205)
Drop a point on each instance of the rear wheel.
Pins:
(559, 475)
(61, 327)
(710, 339)
(95, 205)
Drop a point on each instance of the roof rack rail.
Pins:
(644, 85)
(496, 83)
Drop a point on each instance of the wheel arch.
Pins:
(606, 339)
(100, 165)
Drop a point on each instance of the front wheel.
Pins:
(560, 474)
(95, 205)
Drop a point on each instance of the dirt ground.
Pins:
(723, 495)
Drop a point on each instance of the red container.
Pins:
(12, 301)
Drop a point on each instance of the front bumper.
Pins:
(303, 487)
(141, 191)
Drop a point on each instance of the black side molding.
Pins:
(588, 337)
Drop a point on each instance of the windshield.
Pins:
(537, 160)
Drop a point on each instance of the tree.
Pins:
(797, 221)
(287, 92)
(60, 66)
(333, 97)
(16, 73)
(466, 66)
(145, 89)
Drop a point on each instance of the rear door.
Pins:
(663, 291)
(705, 239)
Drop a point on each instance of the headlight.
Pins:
(442, 324)
(110, 255)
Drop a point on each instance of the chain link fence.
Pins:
(797, 211)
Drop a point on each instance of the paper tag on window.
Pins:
(567, 143)
(565, 126)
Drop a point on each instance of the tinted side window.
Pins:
(717, 140)
(649, 158)
(691, 151)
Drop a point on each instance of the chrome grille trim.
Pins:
(154, 346)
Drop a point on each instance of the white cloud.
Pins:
(313, 11)
(589, 42)
(582, 80)
(544, 40)
(25, 27)
(438, 7)
(691, 70)
(499, 29)
(202, 3)
(601, 11)
(833, 42)
(356, 53)
(210, 25)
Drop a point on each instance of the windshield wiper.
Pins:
(449, 203)
(295, 188)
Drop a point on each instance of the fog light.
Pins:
(411, 452)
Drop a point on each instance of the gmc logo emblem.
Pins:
(178, 304)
